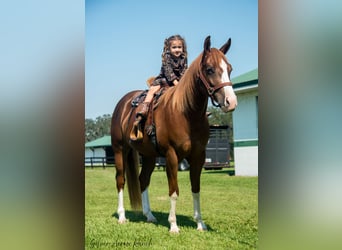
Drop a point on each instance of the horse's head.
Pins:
(215, 74)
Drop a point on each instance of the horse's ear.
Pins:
(226, 46)
(206, 48)
(207, 44)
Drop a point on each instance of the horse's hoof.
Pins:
(152, 220)
(174, 230)
(201, 227)
(122, 220)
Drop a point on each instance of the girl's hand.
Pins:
(175, 82)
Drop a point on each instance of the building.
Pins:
(245, 124)
(99, 151)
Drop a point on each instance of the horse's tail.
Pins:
(132, 174)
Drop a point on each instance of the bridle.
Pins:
(211, 90)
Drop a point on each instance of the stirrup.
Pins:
(136, 132)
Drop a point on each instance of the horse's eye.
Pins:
(210, 71)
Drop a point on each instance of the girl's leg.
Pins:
(144, 107)
(136, 133)
(153, 89)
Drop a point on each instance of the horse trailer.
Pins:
(217, 150)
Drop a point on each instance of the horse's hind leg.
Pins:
(120, 183)
(148, 165)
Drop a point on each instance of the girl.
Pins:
(174, 64)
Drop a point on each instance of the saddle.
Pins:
(141, 97)
(147, 125)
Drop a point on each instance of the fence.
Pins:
(98, 161)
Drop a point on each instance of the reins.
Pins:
(211, 90)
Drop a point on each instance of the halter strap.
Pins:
(211, 90)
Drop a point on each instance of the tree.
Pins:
(217, 117)
(97, 128)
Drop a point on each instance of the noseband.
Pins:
(211, 90)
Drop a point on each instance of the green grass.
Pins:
(228, 204)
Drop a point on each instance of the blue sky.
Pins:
(124, 41)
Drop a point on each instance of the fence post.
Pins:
(91, 162)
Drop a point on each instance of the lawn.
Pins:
(228, 203)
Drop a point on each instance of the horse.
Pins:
(181, 132)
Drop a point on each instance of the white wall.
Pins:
(245, 123)
(246, 161)
(96, 152)
(245, 116)
(89, 153)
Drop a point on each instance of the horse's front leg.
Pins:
(195, 177)
(148, 165)
(197, 212)
(146, 207)
(172, 171)
(172, 216)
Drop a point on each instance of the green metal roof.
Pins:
(246, 77)
(100, 142)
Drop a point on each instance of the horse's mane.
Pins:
(182, 95)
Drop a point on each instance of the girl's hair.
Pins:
(167, 44)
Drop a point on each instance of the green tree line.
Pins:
(97, 128)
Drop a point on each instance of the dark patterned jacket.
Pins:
(172, 69)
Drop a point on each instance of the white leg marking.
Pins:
(172, 216)
(197, 212)
(146, 207)
(121, 209)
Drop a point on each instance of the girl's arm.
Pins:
(167, 69)
(185, 66)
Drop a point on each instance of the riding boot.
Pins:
(143, 110)
(137, 131)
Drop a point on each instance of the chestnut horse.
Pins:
(182, 131)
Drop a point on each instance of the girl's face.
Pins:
(176, 48)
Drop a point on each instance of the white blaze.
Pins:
(229, 93)
(225, 76)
